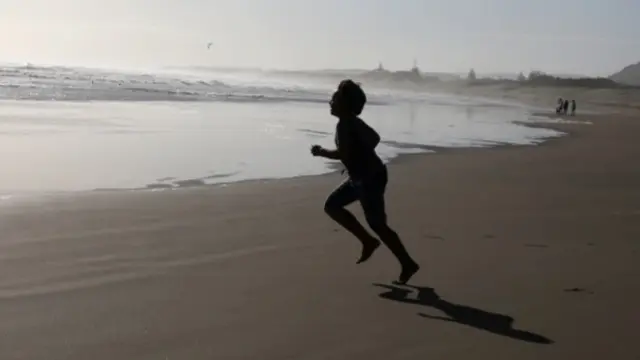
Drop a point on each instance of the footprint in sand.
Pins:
(541, 246)
(579, 290)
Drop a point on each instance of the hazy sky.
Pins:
(566, 36)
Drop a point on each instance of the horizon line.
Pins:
(275, 69)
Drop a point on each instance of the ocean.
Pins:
(77, 129)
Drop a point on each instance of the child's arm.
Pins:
(317, 150)
(344, 139)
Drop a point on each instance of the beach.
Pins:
(527, 252)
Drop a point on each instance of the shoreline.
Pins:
(567, 129)
(334, 167)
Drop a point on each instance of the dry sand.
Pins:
(530, 253)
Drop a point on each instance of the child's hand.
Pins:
(316, 150)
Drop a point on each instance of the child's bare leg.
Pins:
(335, 205)
(373, 204)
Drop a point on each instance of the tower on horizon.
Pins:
(415, 66)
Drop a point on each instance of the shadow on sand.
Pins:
(496, 323)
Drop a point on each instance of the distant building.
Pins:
(415, 68)
(472, 75)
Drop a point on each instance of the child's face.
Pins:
(336, 104)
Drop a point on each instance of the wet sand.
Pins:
(526, 253)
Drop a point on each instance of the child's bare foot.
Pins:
(368, 249)
(408, 270)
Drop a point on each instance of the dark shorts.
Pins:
(369, 191)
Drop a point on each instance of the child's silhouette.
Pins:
(355, 148)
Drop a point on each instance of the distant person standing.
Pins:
(559, 108)
(573, 108)
(565, 107)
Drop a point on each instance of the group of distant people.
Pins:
(563, 107)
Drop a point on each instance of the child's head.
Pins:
(348, 100)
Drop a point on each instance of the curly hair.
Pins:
(353, 96)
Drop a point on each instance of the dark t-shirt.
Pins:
(356, 141)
